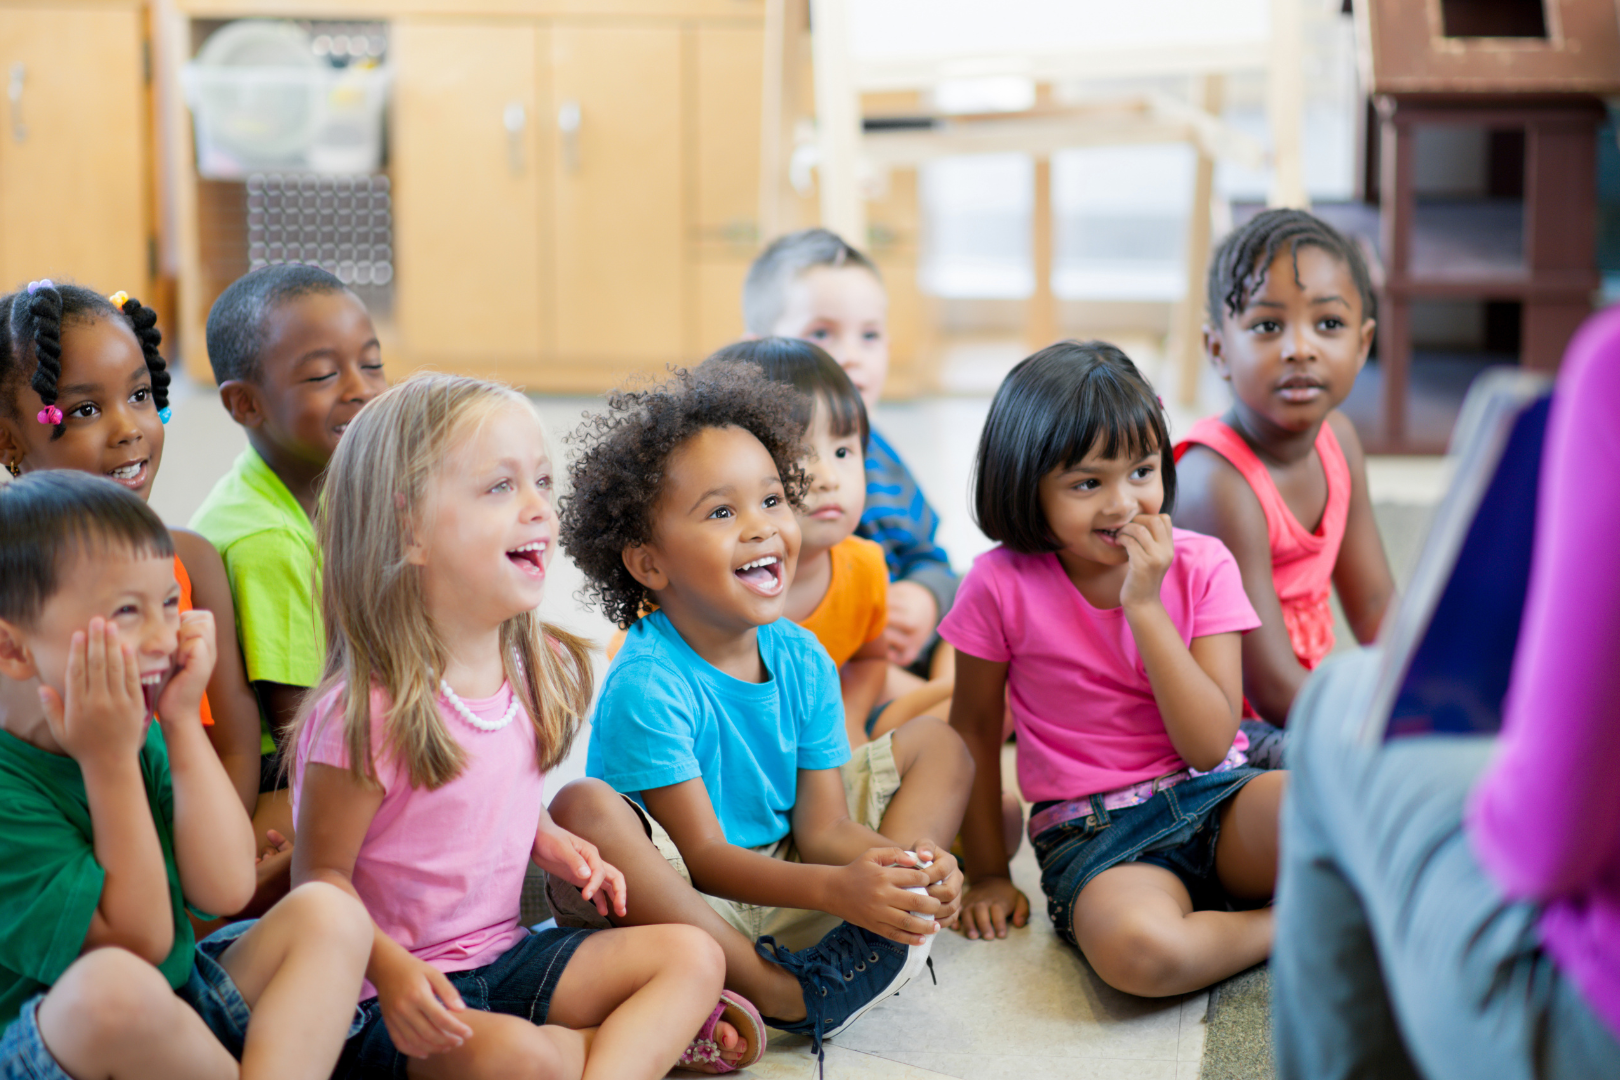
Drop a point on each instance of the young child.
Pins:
(751, 819)
(1115, 639)
(83, 386)
(420, 763)
(839, 591)
(111, 830)
(295, 356)
(812, 285)
(1281, 478)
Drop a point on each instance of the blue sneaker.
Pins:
(843, 975)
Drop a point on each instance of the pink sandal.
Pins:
(703, 1055)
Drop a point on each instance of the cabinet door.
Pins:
(468, 188)
(730, 73)
(621, 268)
(75, 178)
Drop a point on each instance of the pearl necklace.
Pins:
(473, 718)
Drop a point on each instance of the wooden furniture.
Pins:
(76, 192)
(1199, 41)
(574, 185)
(1553, 274)
(1522, 66)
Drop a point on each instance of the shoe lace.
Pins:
(832, 963)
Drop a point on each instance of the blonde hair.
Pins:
(379, 634)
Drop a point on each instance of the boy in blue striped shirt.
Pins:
(813, 285)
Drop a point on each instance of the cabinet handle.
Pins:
(568, 120)
(514, 118)
(19, 74)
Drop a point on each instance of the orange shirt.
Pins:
(184, 579)
(856, 607)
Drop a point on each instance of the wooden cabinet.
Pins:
(75, 148)
(621, 197)
(468, 193)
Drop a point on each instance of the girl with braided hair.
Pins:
(1281, 478)
(83, 387)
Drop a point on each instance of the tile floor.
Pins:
(1025, 1007)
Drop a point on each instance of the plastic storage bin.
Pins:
(317, 119)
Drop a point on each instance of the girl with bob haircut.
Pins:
(420, 760)
(1114, 640)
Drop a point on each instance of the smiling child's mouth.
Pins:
(131, 474)
(530, 558)
(763, 575)
(151, 684)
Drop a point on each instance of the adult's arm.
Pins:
(1545, 820)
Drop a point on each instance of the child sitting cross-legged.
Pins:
(420, 763)
(1281, 478)
(116, 817)
(1115, 640)
(296, 357)
(840, 587)
(83, 386)
(723, 720)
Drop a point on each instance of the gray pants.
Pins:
(1396, 956)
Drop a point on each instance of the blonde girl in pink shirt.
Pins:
(1115, 641)
(423, 795)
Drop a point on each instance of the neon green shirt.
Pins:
(50, 882)
(268, 545)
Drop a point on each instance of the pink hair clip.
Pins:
(50, 415)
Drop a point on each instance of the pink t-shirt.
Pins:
(1080, 697)
(441, 871)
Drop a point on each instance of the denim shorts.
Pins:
(519, 983)
(1175, 829)
(208, 990)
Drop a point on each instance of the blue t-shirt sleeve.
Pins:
(644, 731)
(823, 742)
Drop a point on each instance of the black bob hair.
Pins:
(617, 477)
(1241, 262)
(31, 325)
(815, 375)
(51, 517)
(1052, 410)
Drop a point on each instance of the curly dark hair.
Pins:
(618, 475)
(1238, 268)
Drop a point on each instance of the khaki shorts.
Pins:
(870, 781)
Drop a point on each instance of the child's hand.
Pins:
(872, 892)
(194, 663)
(944, 880)
(1149, 546)
(558, 851)
(913, 611)
(987, 905)
(102, 717)
(418, 1008)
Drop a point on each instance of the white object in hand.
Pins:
(922, 864)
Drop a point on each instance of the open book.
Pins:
(1448, 651)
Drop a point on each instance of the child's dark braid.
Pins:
(44, 319)
(144, 322)
(1239, 265)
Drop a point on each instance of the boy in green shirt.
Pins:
(112, 827)
(295, 356)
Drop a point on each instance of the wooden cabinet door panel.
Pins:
(469, 172)
(74, 166)
(730, 71)
(620, 218)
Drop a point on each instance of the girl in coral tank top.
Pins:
(1281, 477)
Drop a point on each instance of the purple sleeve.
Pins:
(1545, 817)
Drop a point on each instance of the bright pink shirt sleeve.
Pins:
(1545, 817)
